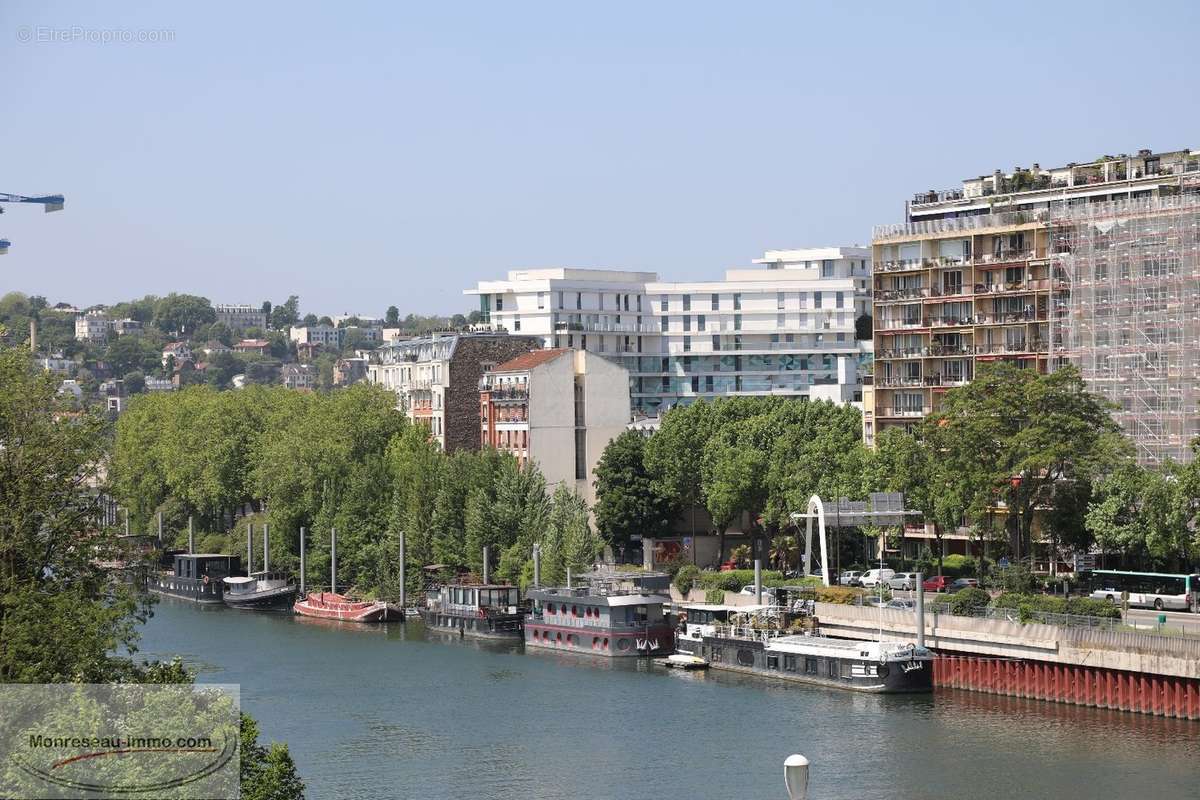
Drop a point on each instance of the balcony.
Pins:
(900, 265)
(506, 394)
(952, 321)
(1013, 287)
(1007, 348)
(900, 412)
(896, 382)
(1002, 219)
(1004, 257)
(898, 324)
(890, 295)
(937, 196)
(1010, 318)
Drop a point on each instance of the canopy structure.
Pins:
(883, 508)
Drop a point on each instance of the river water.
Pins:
(389, 712)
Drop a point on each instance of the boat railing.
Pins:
(590, 623)
(747, 632)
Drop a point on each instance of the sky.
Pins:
(367, 154)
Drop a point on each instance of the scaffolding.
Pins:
(1126, 311)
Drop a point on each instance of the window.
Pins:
(737, 301)
(780, 320)
(687, 321)
(560, 300)
(499, 303)
(517, 322)
(789, 662)
(810, 666)
(578, 300)
(779, 301)
(662, 302)
(662, 324)
(541, 300)
(772, 661)
(737, 322)
(716, 302)
(816, 299)
(687, 344)
(832, 665)
(841, 300)
(699, 322)
(716, 343)
(826, 269)
(687, 302)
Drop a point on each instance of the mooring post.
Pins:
(302, 561)
(160, 529)
(403, 596)
(333, 560)
(249, 548)
(487, 568)
(920, 609)
(191, 536)
(266, 549)
(537, 566)
(795, 777)
(758, 581)
(127, 522)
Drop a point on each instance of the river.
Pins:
(389, 712)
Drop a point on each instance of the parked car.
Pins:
(850, 578)
(728, 566)
(937, 583)
(902, 604)
(962, 583)
(904, 580)
(768, 593)
(873, 577)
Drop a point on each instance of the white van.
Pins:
(872, 577)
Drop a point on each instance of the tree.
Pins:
(733, 485)
(183, 313)
(61, 619)
(132, 352)
(392, 316)
(285, 315)
(266, 773)
(135, 382)
(310, 320)
(627, 501)
(1018, 434)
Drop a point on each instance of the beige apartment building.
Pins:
(1096, 264)
(558, 409)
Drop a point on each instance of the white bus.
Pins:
(1157, 590)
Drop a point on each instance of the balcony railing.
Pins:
(1000, 219)
(899, 324)
(1010, 317)
(1004, 257)
(504, 393)
(937, 196)
(891, 411)
(1032, 346)
(901, 265)
(1039, 285)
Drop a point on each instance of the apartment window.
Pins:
(579, 300)
(639, 303)
(816, 299)
(662, 302)
(810, 666)
(826, 269)
(779, 299)
(700, 322)
(601, 296)
(716, 302)
(708, 384)
(560, 300)
(583, 341)
(662, 324)
(517, 322)
(666, 384)
(840, 300)
(780, 320)
(716, 341)
(687, 344)
(541, 300)
(737, 322)
(687, 302)
(804, 299)
(499, 303)
(687, 321)
(737, 301)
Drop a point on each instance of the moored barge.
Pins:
(261, 591)
(198, 577)
(488, 610)
(328, 605)
(603, 619)
(752, 641)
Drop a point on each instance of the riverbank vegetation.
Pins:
(346, 460)
(63, 619)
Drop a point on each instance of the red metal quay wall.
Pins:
(1064, 683)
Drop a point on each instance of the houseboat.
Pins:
(260, 591)
(328, 605)
(199, 577)
(488, 610)
(760, 640)
(605, 618)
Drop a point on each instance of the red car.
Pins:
(937, 583)
(728, 566)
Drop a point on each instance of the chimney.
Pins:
(33, 335)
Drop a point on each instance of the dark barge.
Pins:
(198, 577)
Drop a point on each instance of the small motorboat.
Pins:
(260, 591)
(682, 661)
(328, 605)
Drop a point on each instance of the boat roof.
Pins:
(238, 579)
(720, 607)
(204, 555)
(554, 595)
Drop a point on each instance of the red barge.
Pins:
(328, 605)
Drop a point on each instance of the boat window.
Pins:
(745, 657)
(789, 662)
(810, 666)
(772, 662)
(833, 667)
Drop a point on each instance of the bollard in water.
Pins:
(795, 776)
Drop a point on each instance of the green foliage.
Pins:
(684, 578)
(1014, 578)
(266, 773)
(60, 617)
(628, 501)
(734, 580)
(969, 600)
(183, 313)
(1027, 604)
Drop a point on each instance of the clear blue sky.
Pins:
(360, 155)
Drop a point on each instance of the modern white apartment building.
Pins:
(93, 326)
(241, 316)
(781, 327)
(558, 409)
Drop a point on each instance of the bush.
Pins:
(714, 596)
(969, 600)
(734, 580)
(1016, 578)
(1029, 604)
(685, 577)
(842, 595)
(957, 566)
(1091, 607)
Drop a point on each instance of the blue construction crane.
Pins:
(51, 202)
